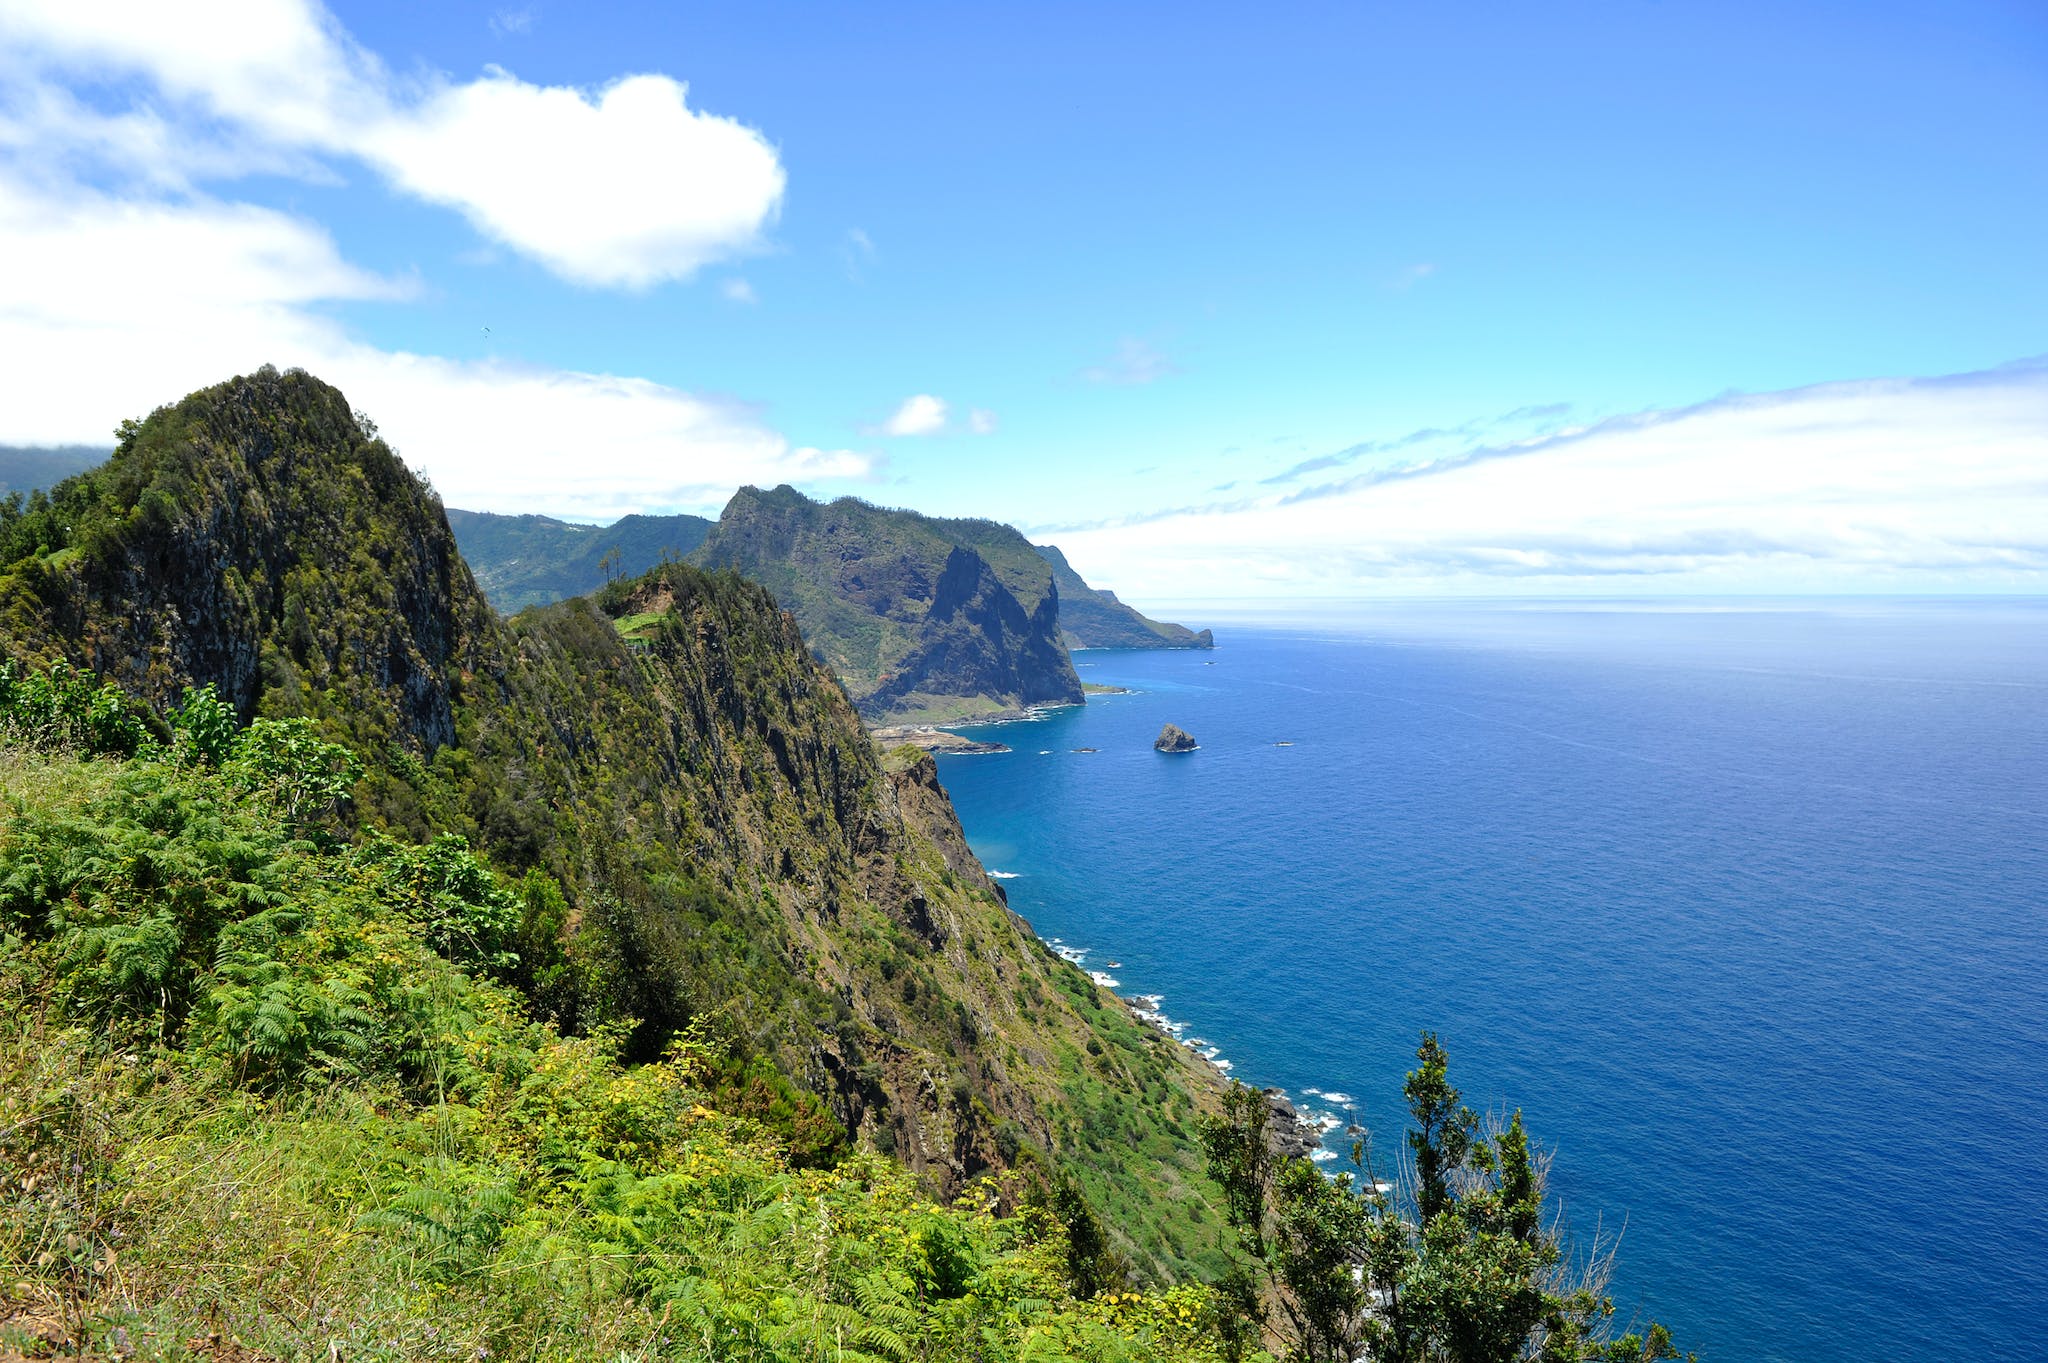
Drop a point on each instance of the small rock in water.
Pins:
(1173, 738)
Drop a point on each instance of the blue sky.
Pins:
(1146, 256)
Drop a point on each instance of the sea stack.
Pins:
(1173, 738)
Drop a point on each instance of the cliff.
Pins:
(731, 850)
(914, 622)
(1092, 617)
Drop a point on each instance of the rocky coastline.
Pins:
(940, 742)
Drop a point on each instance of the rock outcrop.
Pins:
(1292, 1135)
(916, 623)
(1173, 738)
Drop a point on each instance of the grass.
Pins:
(412, 1167)
(641, 625)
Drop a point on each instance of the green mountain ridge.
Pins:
(25, 468)
(913, 622)
(913, 631)
(730, 849)
(522, 561)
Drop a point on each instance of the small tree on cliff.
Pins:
(1467, 1269)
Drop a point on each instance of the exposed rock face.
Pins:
(1173, 738)
(1092, 617)
(1291, 1135)
(275, 551)
(914, 621)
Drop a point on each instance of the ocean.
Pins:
(1744, 905)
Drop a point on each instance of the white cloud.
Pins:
(1895, 485)
(114, 307)
(981, 421)
(738, 290)
(1135, 362)
(624, 186)
(920, 414)
(629, 187)
(514, 23)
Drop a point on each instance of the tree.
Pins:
(1241, 1159)
(1467, 1269)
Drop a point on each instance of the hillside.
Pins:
(865, 584)
(522, 561)
(914, 622)
(1092, 617)
(704, 834)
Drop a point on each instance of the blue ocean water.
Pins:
(1746, 908)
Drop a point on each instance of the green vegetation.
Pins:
(1462, 1264)
(383, 978)
(266, 1085)
(699, 834)
(913, 622)
(522, 561)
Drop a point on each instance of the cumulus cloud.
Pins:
(129, 282)
(919, 414)
(1895, 484)
(113, 307)
(1135, 363)
(623, 186)
(924, 414)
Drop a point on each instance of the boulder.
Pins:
(1173, 738)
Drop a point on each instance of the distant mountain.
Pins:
(523, 561)
(922, 617)
(1092, 617)
(915, 620)
(24, 468)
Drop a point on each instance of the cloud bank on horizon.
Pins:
(133, 274)
(1880, 485)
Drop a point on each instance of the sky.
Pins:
(1277, 301)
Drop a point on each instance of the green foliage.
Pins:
(692, 829)
(1468, 1273)
(60, 707)
(1241, 1159)
(285, 761)
(247, 1084)
(523, 561)
(206, 727)
(455, 900)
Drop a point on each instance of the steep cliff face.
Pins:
(730, 849)
(1092, 617)
(977, 640)
(254, 537)
(914, 623)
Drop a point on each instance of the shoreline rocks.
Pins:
(939, 742)
(1291, 1134)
